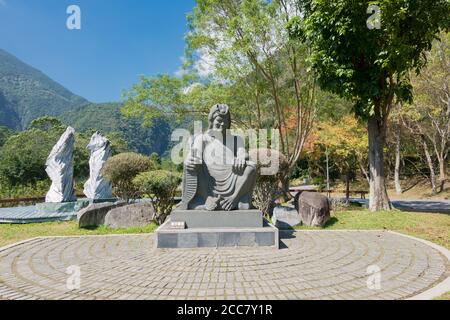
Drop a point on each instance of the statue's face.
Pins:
(220, 124)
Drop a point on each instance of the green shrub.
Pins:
(267, 188)
(38, 189)
(23, 156)
(121, 169)
(161, 185)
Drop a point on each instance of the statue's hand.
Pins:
(239, 165)
(191, 163)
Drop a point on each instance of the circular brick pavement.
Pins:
(309, 265)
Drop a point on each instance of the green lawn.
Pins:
(444, 297)
(428, 226)
(14, 233)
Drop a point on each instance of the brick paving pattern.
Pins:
(309, 265)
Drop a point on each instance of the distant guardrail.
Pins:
(28, 200)
(33, 200)
(5, 203)
(362, 193)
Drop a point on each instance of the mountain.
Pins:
(26, 94)
(107, 118)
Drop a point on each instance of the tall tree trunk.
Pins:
(284, 186)
(347, 188)
(430, 165)
(442, 173)
(379, 199)
(398, 186)
(327, 154)
(364, 171)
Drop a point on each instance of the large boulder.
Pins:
(286, 217)
(314, 209)
(94, 215)
(132, 215)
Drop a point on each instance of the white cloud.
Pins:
(181, 71)
(205, 64)
(189, 89)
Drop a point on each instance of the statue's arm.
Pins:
(194, 156)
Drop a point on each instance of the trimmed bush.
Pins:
(267, 188)
(161, 185)
(121, 169)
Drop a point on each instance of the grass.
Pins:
(445, 296)
(429, 226)
(12, 233)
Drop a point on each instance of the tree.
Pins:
(249, 44)
(161, 185)
(22, 158)
(397, 128)
(267, 190)
(370, 66)
(239, 53)
(346, 142)
(5, 133)
(46, 123)
(121, 169)
(431, 108)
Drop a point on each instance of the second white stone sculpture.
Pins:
(97, 187)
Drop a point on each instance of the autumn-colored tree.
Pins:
(346, 143)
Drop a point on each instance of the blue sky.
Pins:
(118, 41)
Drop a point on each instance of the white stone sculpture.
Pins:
(59, 167)
(97, 187)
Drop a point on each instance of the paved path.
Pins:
(310, 265)
(434, 206)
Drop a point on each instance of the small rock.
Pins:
(286, 217)
(314, 209)
(132, 215)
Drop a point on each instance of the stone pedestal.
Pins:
(214, 229)
(218, 219)
(66, 207)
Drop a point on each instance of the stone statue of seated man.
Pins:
(217, 172)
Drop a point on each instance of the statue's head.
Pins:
(219, 118)
(98, 142)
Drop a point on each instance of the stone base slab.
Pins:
(167, 238)
(218, 219)
(65, 207)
